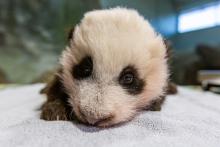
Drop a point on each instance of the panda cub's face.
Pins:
(114, 66)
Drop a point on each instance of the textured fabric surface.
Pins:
(191, 118)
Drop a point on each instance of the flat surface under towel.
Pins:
(190, 118)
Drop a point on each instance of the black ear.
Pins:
(56, 107)
(171, 88)
(169, 48)
(70, 34)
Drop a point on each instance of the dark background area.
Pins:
(34, 32)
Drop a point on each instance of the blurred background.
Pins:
(34, 32)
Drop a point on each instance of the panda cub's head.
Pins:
(114, 65)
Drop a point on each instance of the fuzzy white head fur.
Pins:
(114, 39)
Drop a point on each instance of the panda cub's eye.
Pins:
(130, 80)
(83, 69)
(127, 78)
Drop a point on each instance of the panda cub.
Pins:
(113, 67)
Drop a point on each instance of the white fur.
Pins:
(114, 38)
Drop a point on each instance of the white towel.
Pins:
(188, 119)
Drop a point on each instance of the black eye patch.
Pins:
(130, 81)
(83, 69)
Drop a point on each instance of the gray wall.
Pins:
(163, 16)
(186, 42)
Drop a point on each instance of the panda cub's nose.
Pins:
(96, 120)
(100, 120)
